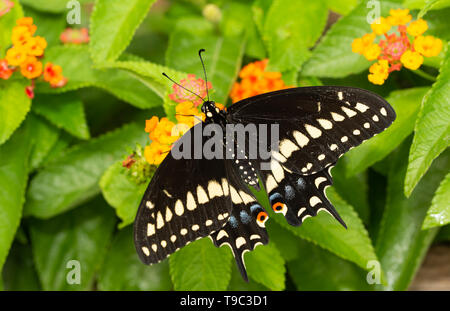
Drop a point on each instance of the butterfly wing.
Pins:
(186, 199)
(245, 228)
(317, 125)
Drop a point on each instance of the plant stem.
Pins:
(424, 75)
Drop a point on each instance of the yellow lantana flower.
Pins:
(35, 46)
(16, 56)
(417, 27)
(428, 46)
(399, 17)
(411, 60)
(379, 72)
(156, 152)
(372, 52)
(20, 34)
(359, 45)
(381, 26)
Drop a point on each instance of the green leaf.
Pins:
(52, 6)
(238, 284)
(266, 266)
(50, 26)
(317, 269)
(14, 106)
(43, 139)
(406, 104)
(438, 25)
(351, 244)
(443, 234)
(222, 58)
(432, 4)
(82, 235)
(432, 129)
(439, 212)
(201, 266)
(7, 22)
(123, 84)
(73, 178)
(19, 273)
(113, 24)
(342, 7)
(66, 111)
(401, 244)
(285, 240)
(122, 269)
(333, 56)
(346, 185)
(288, 41)
(13, 180)
(121, 193)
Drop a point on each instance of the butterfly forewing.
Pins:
(317, 125)
(187, 199)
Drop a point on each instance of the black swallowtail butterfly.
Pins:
(188, 199)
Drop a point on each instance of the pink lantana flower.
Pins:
(197, 86)
(5, 6)
(75, 36)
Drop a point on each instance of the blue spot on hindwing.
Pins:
(245, 218)
(275, 196)
(255, 207)
(289, 191)
(301, 183)
(233, 221)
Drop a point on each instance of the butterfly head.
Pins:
(209, 108)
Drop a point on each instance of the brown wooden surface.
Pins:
(434, 274)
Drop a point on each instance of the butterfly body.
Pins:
(211, 197)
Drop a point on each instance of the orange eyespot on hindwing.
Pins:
(262, 218)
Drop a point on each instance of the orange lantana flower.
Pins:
(31, 68)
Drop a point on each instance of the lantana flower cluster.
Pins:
(163, 132)
(255, 80)
(26, 54)
(75, 36)
(403, 44)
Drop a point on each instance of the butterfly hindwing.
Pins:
(297, 196)
(317, 125)
(245, 228)
(176, 211)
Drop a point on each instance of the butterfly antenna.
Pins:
(204, 71)
(164, 74)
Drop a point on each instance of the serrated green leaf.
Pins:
(238, 284)
(285, 241)
(333, 56)
(7, 22)
(401, 244)
(66, 111)
(14, 106)
(14, 156)
(43, 139)
(346, 185)
(351, 244)
(73, 178)
(113, 23)
(19, 273)
(122, 269)
(51, 6)
(82, 235)
(406, 104)
(317, 269)
(121, 193)
(439, 212)
(201, 266)
(266, 266)
(125, 85)
(432, 129)
(289, 41)
(222, 58)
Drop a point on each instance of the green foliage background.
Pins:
(64, 195)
